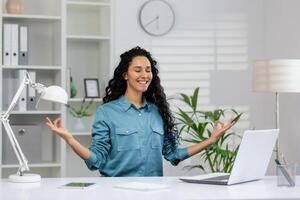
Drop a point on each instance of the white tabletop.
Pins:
(49, 188)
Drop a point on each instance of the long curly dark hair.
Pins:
(155, 92)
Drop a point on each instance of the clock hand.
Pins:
(157, 23)
(150, 22)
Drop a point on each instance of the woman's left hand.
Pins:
(219, 129)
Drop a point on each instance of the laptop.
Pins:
(251, 162)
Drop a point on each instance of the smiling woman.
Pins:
(134, 127)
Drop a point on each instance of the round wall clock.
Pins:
(157, 17)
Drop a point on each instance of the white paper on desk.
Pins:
(141, 186)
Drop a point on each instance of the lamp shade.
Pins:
(55, 93)
(278, 75)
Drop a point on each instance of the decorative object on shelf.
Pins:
(73, 90)
(157, 23)
(79, 113)
(277, 76)
(14, 6)
(82, 111)
(91, 88)
(51, 93)
(198, 125)
(79, 125)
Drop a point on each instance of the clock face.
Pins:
(157, 17)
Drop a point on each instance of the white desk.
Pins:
(49, 189)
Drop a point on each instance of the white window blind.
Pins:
(188, 57)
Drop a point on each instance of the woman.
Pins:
(134, 127)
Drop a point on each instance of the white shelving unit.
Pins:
(46, 55)
(64, 36)
(89, 43)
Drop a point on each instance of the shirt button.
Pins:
(140, 114)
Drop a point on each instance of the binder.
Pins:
(22, 101)
(14, 44)
(31, 97)
(9, 90)
(23, 54)
(6, 44)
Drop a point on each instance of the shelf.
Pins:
(32, 112)
(81, 133)
(86, 100)
(44, 165)
(31, 17)
(88, 19)
(36, 67)
(87, 37)
(84, 3)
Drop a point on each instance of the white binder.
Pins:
(22, 102)
(23, 54)
(14, 44)
(6, 44)
(31, 98)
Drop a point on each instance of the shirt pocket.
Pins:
(157, 136)
(127, 139)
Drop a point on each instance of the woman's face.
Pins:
(139, 74)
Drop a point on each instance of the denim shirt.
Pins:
(127, 141)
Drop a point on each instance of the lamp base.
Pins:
(25, 178)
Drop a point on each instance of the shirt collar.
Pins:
(125, 104)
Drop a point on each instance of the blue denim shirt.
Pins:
(127, 141)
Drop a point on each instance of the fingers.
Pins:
(216, 123)
(48, 120)
(56, 123)
(49, 123)
(221, 127)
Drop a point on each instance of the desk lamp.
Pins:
(51, 93)
(277, 76)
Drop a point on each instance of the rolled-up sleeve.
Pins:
(171, 150)
(100, 145)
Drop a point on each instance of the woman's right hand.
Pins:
(57, 127)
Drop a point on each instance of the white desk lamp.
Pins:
(52, 93)
(277, 76)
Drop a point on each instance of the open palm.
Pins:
(220, 128)
(58, 128)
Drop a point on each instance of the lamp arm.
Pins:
(23, 162)
(12, 138)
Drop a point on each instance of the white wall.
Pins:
(272, 32)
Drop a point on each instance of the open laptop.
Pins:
(251, 161)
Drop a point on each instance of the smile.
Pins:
(143, 82)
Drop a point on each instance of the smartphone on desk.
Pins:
(77, 185)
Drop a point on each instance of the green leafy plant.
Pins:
(198, 127)
(82, 110)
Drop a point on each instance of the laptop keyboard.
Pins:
(218, 178)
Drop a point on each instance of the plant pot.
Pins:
(14, 6)
(79, 125)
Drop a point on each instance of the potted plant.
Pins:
(198, 126)
(79, 113)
